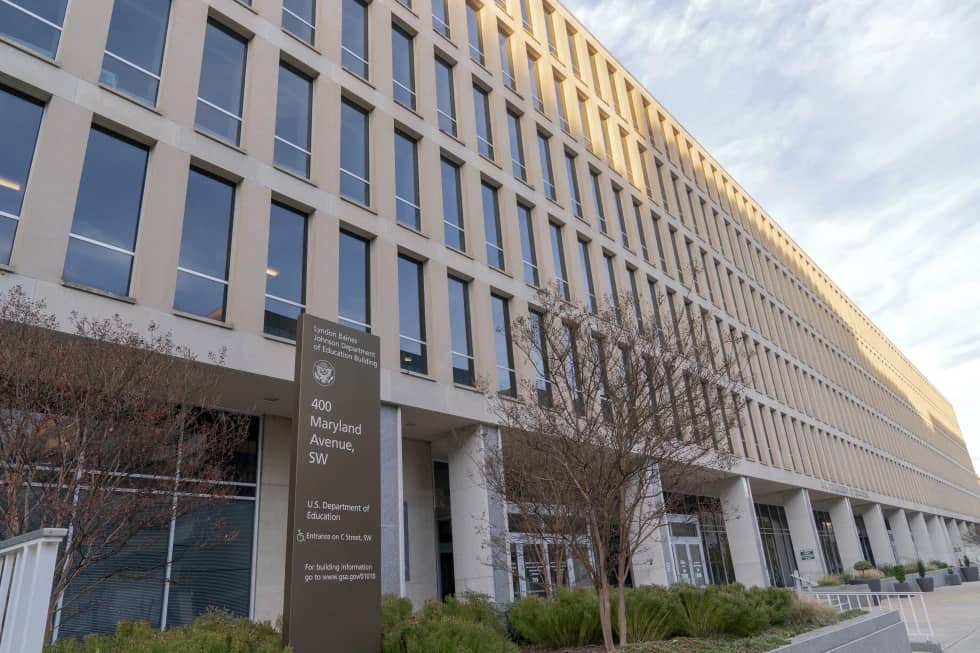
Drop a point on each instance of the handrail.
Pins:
(911, 607)
(27, 565)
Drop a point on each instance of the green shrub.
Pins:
(938, 564)
(776, 601)
(920, 568)
(571, 619)
(827, 581)
(472, 608)
(898, 571)
(213, 632)
(445, 635)
(394, 610)
(717, 611)
(863, 566)
(651, 613)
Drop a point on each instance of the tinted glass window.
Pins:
(506, 378)
(459, 327)
(219, 97)
(506, 60)
(299, 17)
(407, 208)
(558, 259)
(528, 252)
(18, 137)
(516, 146)
(355, 282)
(445, 97)
(403, 67)
(294, 107)
(452, 206)
(597, 202)
(491, 226)
(475, 34)
(202, 274)
(285, 276)
(134, 48)
(484, 134)
(107, 211)
(583, 255)
(544, 150)
(440, 16)
(354, 174)
(34, 23)
(573, 185)
(355, 37)
(411, 315)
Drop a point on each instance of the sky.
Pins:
(856, 125)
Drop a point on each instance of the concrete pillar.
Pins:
(803, 530)
(651, 559)
(742, 527)
(941, 548)
(392, 502)
(874, 523)
(845, 532)
(479, 519)
(955, 538)
(904, 543)
(920, 535)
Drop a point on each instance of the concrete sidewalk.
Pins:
(955, 615)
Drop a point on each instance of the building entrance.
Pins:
(688, 551)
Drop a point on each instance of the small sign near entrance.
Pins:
(808, 554)
(333, 552)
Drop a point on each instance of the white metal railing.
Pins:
(27, 564)
(911, 607)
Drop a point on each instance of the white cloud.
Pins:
(856, 124)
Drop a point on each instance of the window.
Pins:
(583, 254)
(558, 258)
(452, 206)
(134, 48)
(407, 208)
(526, 14)
(544, 149)
(660, 243)
(639, 230)
(18, 138)
(549, 27)
(624, 233)
(635, 296)
(491, 226)
(516, 145)
(299, 18)
(461, 354)
(285, 272)
(411, 315)
(476, 34)
(573, 53)
(597, 199)
(355, 176)
(34, 23)
(573, 190)
(222, 87)
(536, 95)
(102, 242)
(560, 105)
(583, 110)
(354, 47)
(294, 115)
(205, 243)
(440, 17)
(506, 375)
(403, 66)
(539, 358)
(354, 280)
(612, 293)
(445, 97)
(484, 132)
(507, 60)
(528, 250)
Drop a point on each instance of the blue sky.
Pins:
(856, 124)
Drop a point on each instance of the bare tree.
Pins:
(619, 406)
(102, 426)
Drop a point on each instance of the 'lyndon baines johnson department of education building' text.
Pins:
(416, 169)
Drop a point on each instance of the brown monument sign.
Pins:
(333, 555)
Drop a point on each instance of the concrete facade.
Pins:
(835, 413)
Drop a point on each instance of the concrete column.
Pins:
(479, 519)
(273, 508)
(904, 544)
(920, 535)
(955, 539)
(650, 560)
(392, 502)
(881, 546)
(845, 532)
(939, 538)
(742, 527)
(799, 513)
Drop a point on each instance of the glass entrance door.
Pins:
(688, 552)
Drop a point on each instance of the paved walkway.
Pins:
(955, 615)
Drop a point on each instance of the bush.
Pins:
(727, 610)
(473, 608)
(938, 564)
(394, 610)
(898, 571)
(807, 611)
(571, 619)
(445, 635)
(776, 601)
(651, 614)
(214, 632)
(920, 568)
(827, 581)
(862, 566)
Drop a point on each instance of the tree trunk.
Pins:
(621, 611)
(605, 617)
